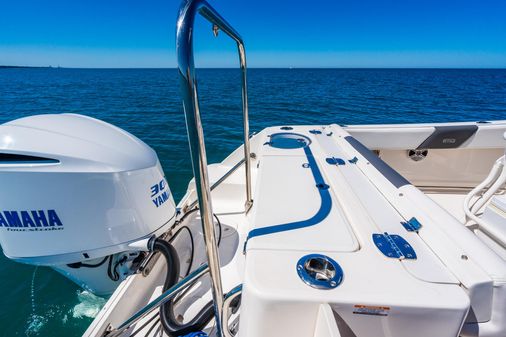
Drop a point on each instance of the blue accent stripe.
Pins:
(323, 212)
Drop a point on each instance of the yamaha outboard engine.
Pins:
(81, 196)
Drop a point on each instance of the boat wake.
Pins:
(89, 305)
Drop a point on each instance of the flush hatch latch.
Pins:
(319, 271)
(394, 246)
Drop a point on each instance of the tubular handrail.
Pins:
(157, 302)
(217, 183)
(186, 66)
(229, 297)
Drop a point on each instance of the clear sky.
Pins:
(325, 33)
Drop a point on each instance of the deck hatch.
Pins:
(394, 246)
(321, 214)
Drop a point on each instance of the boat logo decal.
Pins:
(160, 193)
(36, 220)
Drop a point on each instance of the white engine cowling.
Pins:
(75, 190)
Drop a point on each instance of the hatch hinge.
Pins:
(394, 246)
(412, 225)
(353, 160)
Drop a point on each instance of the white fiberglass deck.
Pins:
(317, 190)
(294, 217)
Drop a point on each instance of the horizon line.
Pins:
(316, 67)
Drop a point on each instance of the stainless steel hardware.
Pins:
(232, 295)
(418, 154)
(184, 49)
(157, 302)
(320, 271)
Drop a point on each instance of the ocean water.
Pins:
(145, 102)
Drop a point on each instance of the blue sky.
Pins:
(326, 33)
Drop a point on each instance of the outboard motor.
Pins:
(81, 196)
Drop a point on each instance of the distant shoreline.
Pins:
(6, 67)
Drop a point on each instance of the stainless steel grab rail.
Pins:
(231, 295)
(157, 302)
(186, 66)
(217, 183)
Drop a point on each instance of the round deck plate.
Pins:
(289, 140)
(319, 271)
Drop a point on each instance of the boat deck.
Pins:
(314, 197)
(317, 190)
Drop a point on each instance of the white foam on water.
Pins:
(89, 305)
(35, 322)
